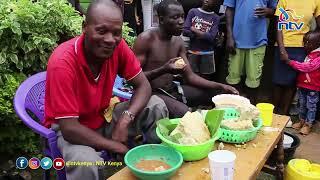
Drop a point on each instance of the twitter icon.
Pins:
(46, 163)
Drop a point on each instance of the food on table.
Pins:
(191, 129)
(248, 114)
(179, 63)
(152, 165)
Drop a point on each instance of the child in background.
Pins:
(201, 26)
(308, 82)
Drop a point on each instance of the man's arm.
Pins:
(267, 11)
(141, 96)
(142, 93)
(75, 133)
(195, 80)
(283, 52)
(230, 46)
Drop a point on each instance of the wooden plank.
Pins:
(249, 161)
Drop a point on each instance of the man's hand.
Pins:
(230, 46)
(120, 132)
(230, 89)
(119, 148)
(263, 12)
(197, 32)
(171, 68)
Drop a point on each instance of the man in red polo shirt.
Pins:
(80, 76)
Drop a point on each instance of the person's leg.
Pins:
(287, 96)
(145, 121)
(197, 96)
(176, 108)
(312, 100)
(79, 153)
(235, 68)
(302, 96)
(254, 64)
(294, 108)
(277, 97)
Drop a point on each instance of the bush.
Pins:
(29, 31)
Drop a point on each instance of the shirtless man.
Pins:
(157, 49)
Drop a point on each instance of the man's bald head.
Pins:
(102, 6)
(102, 30)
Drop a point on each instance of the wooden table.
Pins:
(249, 161)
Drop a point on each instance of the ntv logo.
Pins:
(285, 23)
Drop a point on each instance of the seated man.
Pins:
(157, 49)
(80, 76)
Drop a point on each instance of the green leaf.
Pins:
(13, 58)
(2, 58)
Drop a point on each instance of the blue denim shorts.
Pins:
(283, 74)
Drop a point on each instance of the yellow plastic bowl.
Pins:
(301, 169)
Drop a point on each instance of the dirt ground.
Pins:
(310, 145)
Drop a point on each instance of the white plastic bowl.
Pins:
(287, 141)
(229, 100)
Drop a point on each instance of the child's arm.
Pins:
(305, 66)
(187, 25)
(209, 36)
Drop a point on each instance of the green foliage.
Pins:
(14, 135)
(29, 31)
(127, 34)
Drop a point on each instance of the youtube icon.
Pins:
(58, 163)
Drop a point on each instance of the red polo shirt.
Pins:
(72, 91)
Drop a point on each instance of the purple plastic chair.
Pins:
(30, 98)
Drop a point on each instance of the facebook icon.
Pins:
(21, 163)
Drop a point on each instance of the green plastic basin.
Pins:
(190, 152)
(153, 152)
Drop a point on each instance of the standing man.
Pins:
(158, 49)
(80, 76)
(247, 40)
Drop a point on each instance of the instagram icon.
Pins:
(34, 163)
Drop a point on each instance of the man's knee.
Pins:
(81, 163)
(82, 154)
(156, 102)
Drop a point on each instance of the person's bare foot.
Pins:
(306, 129)
(298, 125)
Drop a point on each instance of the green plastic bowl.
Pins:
(153, 152)
(190, 152)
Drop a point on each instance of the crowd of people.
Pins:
(81, 72)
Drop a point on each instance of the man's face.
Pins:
(174, 20)
(103, 33)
